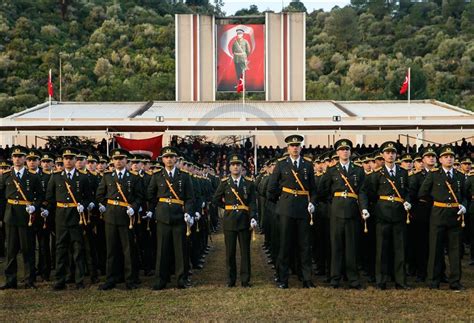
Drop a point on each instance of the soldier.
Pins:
(67, 193)
(341, 185)
(470, 197)
(446, 187)
(170, 196)
(293, 188)
(58, 164)
(406, 162)
(465, 166)
(4, 167)
(389, 186)
(241, 51)
(236, 194)
(21, 195)
(122, 192)
(421, 214)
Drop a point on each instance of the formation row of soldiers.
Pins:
(339, 212)
(384, 214)
(114, 219)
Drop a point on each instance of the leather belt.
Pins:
(171, 201)
(391, 198)
(446, 205)
(346, 195)
(65, 205)
(18, 202)
(119, 203)
(237, 207)
(295, 192)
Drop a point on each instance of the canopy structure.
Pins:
(359, 118)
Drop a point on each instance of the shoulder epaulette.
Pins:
(32, 171)
(224, 179)
(108, 171)
(133, 172)
(308, 159)
(369, 172)
(57, 171)
(6, 171)
(47, 172)
(435, 169)
(319, 174)
(149, 172)
(471, 173)
(282, 158)
(377, 169)
(184, 171)
(248, 178)
(82, 171)
(156, 171)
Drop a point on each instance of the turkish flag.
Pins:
(50, 84)
(404, 87)
(240, 86)
(149, 146)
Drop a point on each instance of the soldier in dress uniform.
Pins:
(420, 212)
(4, 167)
(237, 196)
(171, 198)
(121, 194)
(21, 195)
(470, 198)
(341, 185)
(445, 186)
(68, 194)
(241, 51)
(389, 187)
(293, 189)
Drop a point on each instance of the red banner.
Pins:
(240, 49)
(150, 146)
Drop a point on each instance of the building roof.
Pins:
(261, 115)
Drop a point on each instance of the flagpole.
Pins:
(409, 84)
(49, 93)
(243, 92)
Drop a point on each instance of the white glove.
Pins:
(203, 205)
(44, 213)
(186, 217)
(310, 208)
(90, 206)
(148, 215)
(407, 206)
(130, 211)
(101, 208)
(191, 221)
(30, 209)
(365, 214)
(198, 216)
(80, 208)
(462, 209)
(253, 223)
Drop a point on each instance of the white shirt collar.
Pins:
(120, 171)
(390, 169)
(172, 171)
(297, 160)
(236, 179)
(448, 171)
(72, 171)
(346, 166)
(21, 171)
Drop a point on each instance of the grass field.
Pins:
(209, 299)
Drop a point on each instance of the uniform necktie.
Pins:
(236, 183)
(69, 176)
(295, 163)
(120, 176)
(392, 173)
(18, 174)
(171, 174)
(450, 176)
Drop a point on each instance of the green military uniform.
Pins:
(420, 219)
(170, 211)
(445, 221)
(390, 216)
(237, 196)
(241, 51)
(69, 233)
(121, 192)
(292, 202)
(19, 234)
(341, 186)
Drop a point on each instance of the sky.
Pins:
(231, 6)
